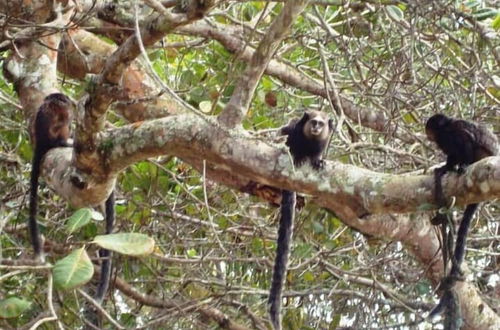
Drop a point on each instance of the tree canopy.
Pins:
(179, 104)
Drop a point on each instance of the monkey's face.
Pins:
(317, 125)
(434, 124)
(430, 134)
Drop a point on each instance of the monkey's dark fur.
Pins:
(91, 313)
(307, 139)
(106, 255)
(51, 129)
(463, 143)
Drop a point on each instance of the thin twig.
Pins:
(100, 309)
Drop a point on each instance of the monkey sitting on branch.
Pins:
(51, 129)
(464, 143)
(307, 138)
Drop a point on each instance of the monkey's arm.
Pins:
(286, 130)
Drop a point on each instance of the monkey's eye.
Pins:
(317, 123)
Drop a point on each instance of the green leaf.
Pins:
(257, 245)
(74, 270)
(309, 276)
(79, 219)
(395, 13)
(485, 13)
(496, 22)
(317, 227)
(13, 307)
(192, 253)
(132, 244)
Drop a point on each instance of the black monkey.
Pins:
(464, 143)
(307, 138)
(51, 129)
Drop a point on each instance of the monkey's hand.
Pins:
(439, 219)
(318, 164)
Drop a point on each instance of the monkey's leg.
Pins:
(282, 253)
(439, 218)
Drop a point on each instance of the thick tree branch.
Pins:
(104, 90)
(349, 191)
(237, 108)
(82, 52)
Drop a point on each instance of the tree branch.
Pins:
(237, 107)
(351, 192)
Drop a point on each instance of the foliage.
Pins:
(216, 245)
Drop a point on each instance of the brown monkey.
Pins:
(307, 138)
(51, 129)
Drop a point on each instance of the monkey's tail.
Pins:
(449, 301)
(458, 256)
(93, 317)
(106, 254)
(33, 225)
(282, 252)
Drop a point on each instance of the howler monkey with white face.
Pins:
(307, 138)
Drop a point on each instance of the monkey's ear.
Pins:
(330, 124)
(304, 118)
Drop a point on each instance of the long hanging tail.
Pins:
(94, 319)
(449, 300)
(282, 252)
(458, 256)
(106, 255)
(33, 225)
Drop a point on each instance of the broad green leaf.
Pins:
(73, 270)
(485, 13)
(472, 4)
(79, 219)
(13, 307)
(132, 244)
(395, 13)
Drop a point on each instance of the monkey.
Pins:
(51, 129)
(464, 143)
(307, 138)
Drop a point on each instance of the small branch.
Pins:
(99, 308)
(222, 319)
(371, 118)
(50, 288)
(238, 105)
